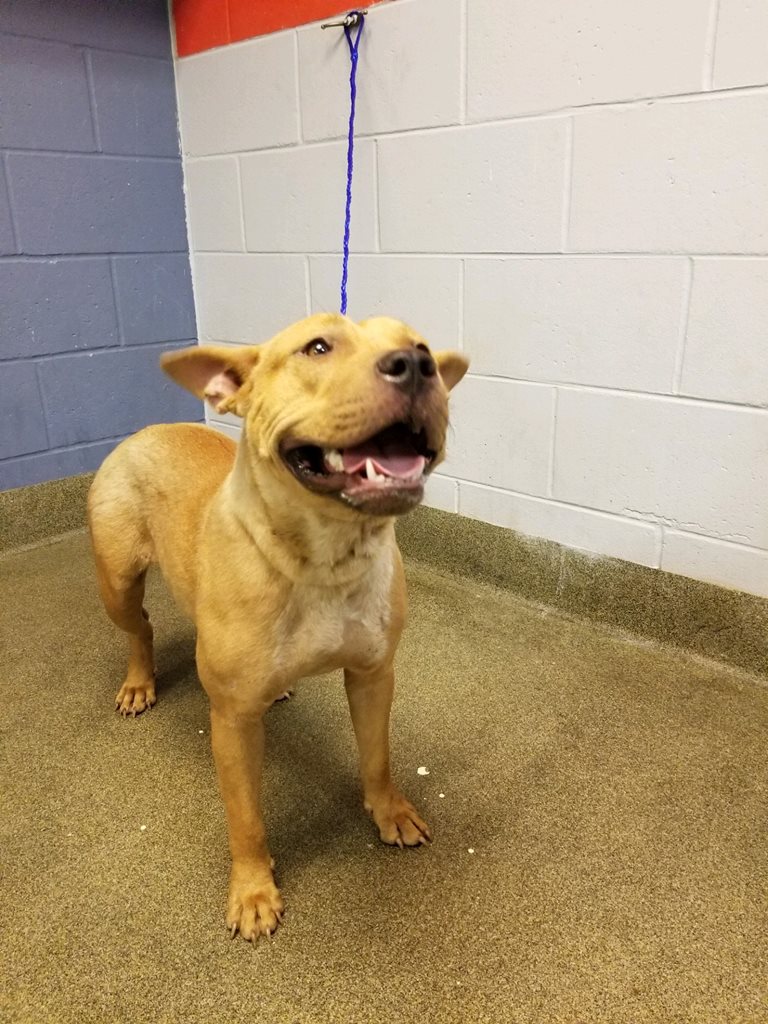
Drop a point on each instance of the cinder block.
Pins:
(247, 298)
(491, 188)
(726, 349)
(55, 306)
(239, 97)
(441, 492)
(716, 561)
(140, 26)
(154, 296)
(44, 93)
(293, 199)
(97, 395)
(233, 433)
(135, 104)
(35, 469)
(528, 57)
(696, 467)
(672, 177)
(422, 291)
(608, 321)
(741, 51)
(22, 421)
(501, 434)
(408, 75)
(579, 528)
(88, 204)
(213, 205)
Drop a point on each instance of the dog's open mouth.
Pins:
(384, 474)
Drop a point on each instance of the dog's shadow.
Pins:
(311, 793)
(175, 660)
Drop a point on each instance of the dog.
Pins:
(281, 549)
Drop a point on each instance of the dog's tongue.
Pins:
(390, 457)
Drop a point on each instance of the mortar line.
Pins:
(376, 205)
(307, 286)
(43, 404)
(59, 449)
(241, 204)
(297, 83)
(622, 392)
(11, 210)
(604, 513)
(462, 278)
(565, 225)
(682, 336)
(553, 444)
(85, 153)
(463, 61)
(116, 300)
(559, 113)
(93, 105)
(662, 532)
(710, 46)
(488, 254)
(91, 46)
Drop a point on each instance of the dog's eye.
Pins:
(317, 347)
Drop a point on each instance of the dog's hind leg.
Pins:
(121, 567)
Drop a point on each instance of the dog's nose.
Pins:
(407, 368)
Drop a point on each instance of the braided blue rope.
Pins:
(353, 53)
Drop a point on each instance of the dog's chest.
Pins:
(323, 628)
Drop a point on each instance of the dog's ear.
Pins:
(452, 366)
(215, 373)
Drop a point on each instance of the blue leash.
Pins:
(354, 18)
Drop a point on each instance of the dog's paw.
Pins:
(398, 822)
(133, 698)
(254, 907)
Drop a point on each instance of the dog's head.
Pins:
(353, 413)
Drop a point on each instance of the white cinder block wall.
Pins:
(576, 194)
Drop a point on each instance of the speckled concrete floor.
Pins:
(615, 796)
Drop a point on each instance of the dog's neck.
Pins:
(299, 542)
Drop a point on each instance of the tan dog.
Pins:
(281, 550)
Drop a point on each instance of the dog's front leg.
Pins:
(370, 700)
(254, 905)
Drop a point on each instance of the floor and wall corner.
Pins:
(584, 670)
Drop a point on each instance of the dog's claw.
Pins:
(398, 821)
(233, 930)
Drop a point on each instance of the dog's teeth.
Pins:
(333, 460)
(370, 471)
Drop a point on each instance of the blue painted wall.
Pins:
(94, 269)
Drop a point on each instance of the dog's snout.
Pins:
(407, 368)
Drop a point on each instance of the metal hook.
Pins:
(349, 21)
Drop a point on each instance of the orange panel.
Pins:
(249, 18)
(200, 25)
(203, 24)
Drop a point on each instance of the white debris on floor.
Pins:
(423, 770)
